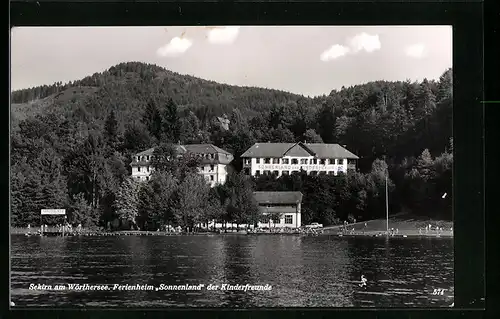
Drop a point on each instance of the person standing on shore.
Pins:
(29, 229)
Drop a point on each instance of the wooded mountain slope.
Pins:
(72, 143)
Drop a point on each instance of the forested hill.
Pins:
(400, 118)
(72, 143)
(127, 87)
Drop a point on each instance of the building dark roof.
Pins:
(205, 149)
(179, 148)
(282, 149)
(222, 156)
(147, 152)
(278, 197)
(192, 148)
(267, 150)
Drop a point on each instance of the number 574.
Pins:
(438, 291)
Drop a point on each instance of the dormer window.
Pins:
(147, 158)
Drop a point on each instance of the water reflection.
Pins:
(319, 271)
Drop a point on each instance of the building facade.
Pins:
(284, 207)
(214, 162)
(288, 158)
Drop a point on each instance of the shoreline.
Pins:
(368, 234)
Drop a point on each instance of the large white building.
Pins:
(288, 158)
(214, 162)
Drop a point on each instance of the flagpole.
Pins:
(387, 202)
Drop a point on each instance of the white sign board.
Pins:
(299, 167)
(53, 212)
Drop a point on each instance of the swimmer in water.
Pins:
(363, 281)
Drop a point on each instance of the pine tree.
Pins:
(326, 123)
(170, 121)
(445, 86)
(111, 129)
(426, 100)
(152, 119)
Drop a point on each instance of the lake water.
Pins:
(322, 271)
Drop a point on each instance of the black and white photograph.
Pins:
(231, 167)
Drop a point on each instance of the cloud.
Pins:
(416, 51)
(366, 42)
(360, 42)
(223, 35)
(334, 52)
(175, 47)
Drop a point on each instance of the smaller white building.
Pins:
(284, 207)
(214, 162)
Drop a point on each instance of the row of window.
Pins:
(288, 220)
(296, 161)
(206, 156)
(145, 158)
(212, 168)
(266, 172)
(208, 178)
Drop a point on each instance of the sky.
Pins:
(308, 60)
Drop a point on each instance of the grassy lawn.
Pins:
(405, 224)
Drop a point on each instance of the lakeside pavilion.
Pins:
(285, 206)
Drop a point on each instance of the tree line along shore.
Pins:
(72, 144)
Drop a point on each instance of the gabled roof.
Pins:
(280, 149)
(205, 149)
(191, 148)
(179, 148)
(278, 197)
(330, 151)
(267, 150)
(149, 151)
